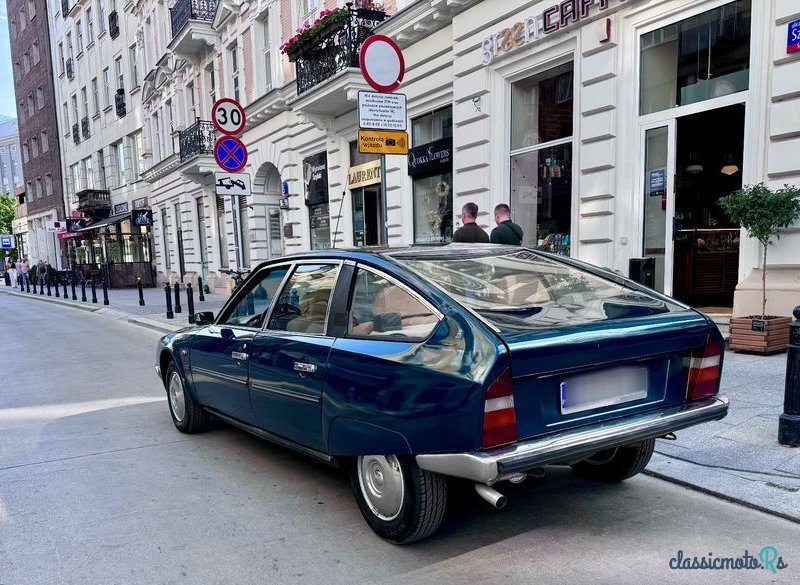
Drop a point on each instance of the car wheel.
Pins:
(401, 502)
(614, 465)
(188, 416)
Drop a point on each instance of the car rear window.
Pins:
(525, 290)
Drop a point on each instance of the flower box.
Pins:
(770, 335)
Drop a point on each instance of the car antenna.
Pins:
(338, 216)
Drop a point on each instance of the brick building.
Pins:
(38, 128)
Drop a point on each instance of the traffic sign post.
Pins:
(230, 153)
(228, 116)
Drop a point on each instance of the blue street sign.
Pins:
(230, 153)
(793, 37)
(6, 242)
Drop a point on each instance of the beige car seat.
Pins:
(313, 308)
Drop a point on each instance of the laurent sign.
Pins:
(362, 175)
(532, 28)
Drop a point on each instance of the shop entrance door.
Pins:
(367, 216)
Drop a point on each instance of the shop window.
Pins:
(315, 177)
(430, 165)
(431, 127)
(201, 230)
(697, 59)
(165, 238)
(320, 222)
(541, 158)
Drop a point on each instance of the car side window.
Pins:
(253, 305)
(303, 302)
(381, 308)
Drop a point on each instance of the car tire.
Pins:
(615, 465)
(188, 416)
(401, 502)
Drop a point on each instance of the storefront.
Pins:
(315, 176)
(430, 166)
(364, 182)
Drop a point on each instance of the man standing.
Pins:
(506, 232)
(470, 232)
(23, 270)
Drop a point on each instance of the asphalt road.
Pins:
(97, 487)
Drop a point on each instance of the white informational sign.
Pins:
(228, 116)
(381, 111)
(232, 183)
(55, 226)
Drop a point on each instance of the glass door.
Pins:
(659, 201)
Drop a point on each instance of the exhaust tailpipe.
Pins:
(491, 495)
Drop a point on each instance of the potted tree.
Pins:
(762, 212)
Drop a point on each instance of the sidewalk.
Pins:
(737, 458)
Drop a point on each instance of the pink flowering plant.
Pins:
(309, 31)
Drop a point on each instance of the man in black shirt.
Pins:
(470, 232)
(507, 232)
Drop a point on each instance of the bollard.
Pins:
(72, 286)
(66, 296)
(177, 298)
(94, 292)
(141, 291)
(170, 314)
(190, 302)
(105, 292)
(48, 287)
(200, 296)
(789, 421)
(56, 285)
(83, 291)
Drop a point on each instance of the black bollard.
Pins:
(170, 314)
(141, 291)
(177, 297)
(56, 285)
(94, 292)
(66, 296)
(48, 287)
(789, 421)
(200, 296)
(83, 291)
(105, 293)
(74, 296)
(190, 302)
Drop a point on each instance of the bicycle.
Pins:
(238, 277)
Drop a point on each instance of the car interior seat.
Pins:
(313, 308)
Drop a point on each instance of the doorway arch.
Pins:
(267, 220)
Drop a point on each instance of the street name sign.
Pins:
(382, 142)
(382, 63)
(228, 116)
(232, 183)
(230, 153)
(381, 111)
(793, 37)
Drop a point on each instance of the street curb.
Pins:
(721, 496)
(55, 301)
(148, 324)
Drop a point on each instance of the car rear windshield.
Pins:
(523, 290)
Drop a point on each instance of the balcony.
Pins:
(196, 145)
(93, 200)
(191, 26)
(70, 69)
(76, 134)
(113, 24)
(326, 67)
(119, 103)
(85, 127)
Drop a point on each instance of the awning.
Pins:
(110, 220)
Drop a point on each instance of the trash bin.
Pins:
(643, 271)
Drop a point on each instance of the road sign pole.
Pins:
(383, 201)
(235, 217)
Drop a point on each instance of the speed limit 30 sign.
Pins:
(228, 116)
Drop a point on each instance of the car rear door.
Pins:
(288, 360)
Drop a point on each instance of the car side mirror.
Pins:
(204, 318)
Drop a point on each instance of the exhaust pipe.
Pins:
(491, 495)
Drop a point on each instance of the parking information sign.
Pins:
(793, 37)
(381, 111)
(232, 183)
(230, 153)
(6, 241)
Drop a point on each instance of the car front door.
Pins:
(221, 352)
(289, 358)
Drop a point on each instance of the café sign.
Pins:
(554, 18)
(363, 175)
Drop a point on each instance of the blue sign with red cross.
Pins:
(230, 153)
(793, 37)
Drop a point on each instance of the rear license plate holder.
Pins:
(602, 389)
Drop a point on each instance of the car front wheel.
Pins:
(188, 416)
(401, 502)
(615, 465)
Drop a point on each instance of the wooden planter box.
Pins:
(760, 335)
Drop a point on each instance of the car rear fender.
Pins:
(348, 436)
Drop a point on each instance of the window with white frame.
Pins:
(39, 192)
(66, 118)
(31, 9)
(168, 125)
(233, 67)
(26, 62)
(44, 142)
(39, 97)
(75, 115)
(165, 238)
(101, 170)
(75, 173)
(85, 101)
(119, 72)
(101, 15)
(34, 147)
(48, 184)
(61, 67)
(211, 81)
(106, 88)
(79, 36)
(118, 151)
(132, 62)
(37, 56)
(69, 46)
(30, 105)
(89, 25)
(95, 96)
(308, 8)
(264, 55)
(135, 147)
(156, 134)
(87, 172)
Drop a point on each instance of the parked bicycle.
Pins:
(238, 277)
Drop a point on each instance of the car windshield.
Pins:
(523, 290)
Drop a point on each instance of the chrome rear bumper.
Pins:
(491, 466)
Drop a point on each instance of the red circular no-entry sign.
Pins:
(382, 63)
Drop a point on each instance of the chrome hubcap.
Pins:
(381, 480)
(177, 402)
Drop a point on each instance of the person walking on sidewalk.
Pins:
(470, 232)
(23, 271)
(11, 268)
(507, 232)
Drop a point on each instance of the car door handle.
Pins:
(304, 367)
(240, 356)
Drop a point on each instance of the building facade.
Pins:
(611, 128)
(12, 182)
(38, 127)
(96, 55)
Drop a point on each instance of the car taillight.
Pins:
(704, 371)
(499, 418)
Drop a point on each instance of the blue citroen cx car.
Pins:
(406, 366)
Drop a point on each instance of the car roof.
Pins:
(449, 251)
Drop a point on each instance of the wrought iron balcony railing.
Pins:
(64, 8)
(197, 139)
(70, 69)
(335, 49)
(76, 133)
(93, 199)
(186, 10)
(85, 127)
(113, 24)
(119, 103)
